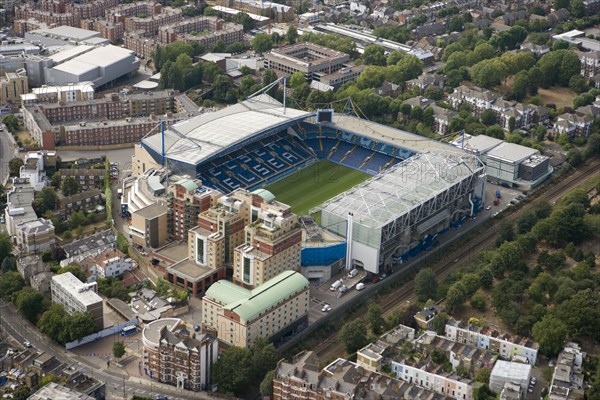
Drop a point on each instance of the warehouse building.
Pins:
(83, 63)
(63, 34)
(506, 162)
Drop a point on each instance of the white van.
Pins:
(353, 273)
(335, 285)
(360, 286)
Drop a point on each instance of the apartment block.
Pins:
(225, 221)
(505, 372)
(19, 205)
(186, 199)
(567, 380)
(204, 30)
(53, 94)
(35, 236)
(590, 63)
(272, 243)
(108, 264)
(77, 296)
(148, 227)
(273, 310)
(177, 357)
(87, 178)
(151, 23)
(142, 46)
(85, 201)
(275, 11)
(573, 124)
(509, 347)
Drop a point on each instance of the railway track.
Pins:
(331, 346)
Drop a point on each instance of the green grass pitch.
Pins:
(314, 185)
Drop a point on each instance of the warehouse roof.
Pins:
(407, 185)
(199, 138)
(67, 32)
(481, 144)
(250, 303)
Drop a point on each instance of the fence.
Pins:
(100, 335)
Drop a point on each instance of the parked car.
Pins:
(326, 308)
(488, 208)
(353, 273)
(27, 344)
(343, 289)
(360, 286)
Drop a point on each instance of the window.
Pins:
(246, 272)
(200, 250)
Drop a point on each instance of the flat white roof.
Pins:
(85, 87)
(196, 139)
(106, 55)
(233, 11)
(71, 284)
(511, 152)
(393, 193)
(69, 53)
(511, 370)
(68, 32)
(75, 67)
(481, 143)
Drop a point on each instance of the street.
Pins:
(118, 384)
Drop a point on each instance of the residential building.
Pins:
(426, 81)
(12, 86)
(86, 201)
(342, 379)
(273, 310)
(479, 99)
(91, 245)
(41, 282)
(33, 171)
(54, 390)
(510, 348)
(573, 124)
(87, 178)
(53, 94)
(186, 199)
(178, 357)
(510, 372)
(567, 380)
(28, 266)
(19, 206)
(308, 58)
(108, 264)
(148, 227)
(432, 377)
(273, 243)
(203, 29)
(441, 119)
(77, 296)
(425, 317)
(277, 12)
(35, 236)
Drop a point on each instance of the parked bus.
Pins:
(128, 330)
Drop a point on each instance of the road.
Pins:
(117, 382)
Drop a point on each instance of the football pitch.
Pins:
(313, 185)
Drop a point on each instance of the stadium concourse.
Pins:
(415, 187)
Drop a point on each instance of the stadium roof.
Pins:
(197, 139)
(376, 131)
(385, 197)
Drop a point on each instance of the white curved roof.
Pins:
(198, 138)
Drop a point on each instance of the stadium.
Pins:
(369, 194)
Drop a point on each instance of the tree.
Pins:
(457, 24)
(296, 79)
(232, 370)
(118, 349)
(122, 243)
(11, 122)
(495, 131)
(558, 4)
(79, 325)
(394, 57)
(375, 318)
(10, 283)
(70, 186)
(478, 302)
(372, 77)
(291, 35)
(5, 246)
(8, 264)
(266, 386)
(14, 166)
(162, 287)
(75, 270)
(521, 85)
(439, 323)
(30, 303)
(263, 358)
(425, 285)
(511, 123)
(354, 335)
(578, 83)
(488, 117)
(262, 42)
(46, 199)
(577, 8)
(46, 379)
(575, 157)
(374, 55)
(269, 76)
(53, 322)
(551, 334)
(506, 232)
(488, 73)
(455, 297)
(470, 282)
(21, 393)
(246, 21)
(558, 67)
(483, 375)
